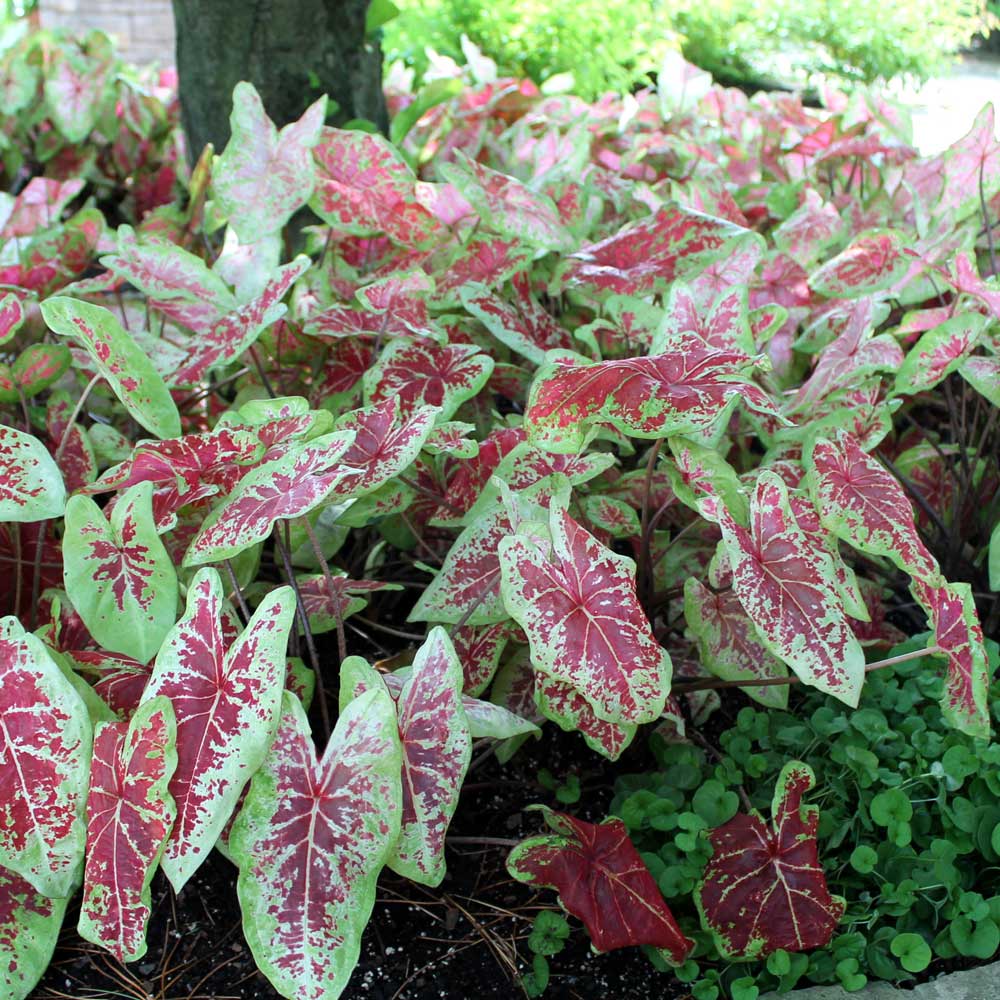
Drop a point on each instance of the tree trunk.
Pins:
(292, 51)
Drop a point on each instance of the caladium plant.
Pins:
(506, 390)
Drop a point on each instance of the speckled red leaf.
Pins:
(952, 613)
(472, 475)
(385, 443)
(286, 487)
(812, 227)
(486, 261)
(39, 365)
(584, 622)
(75, 85)
(670, 245)
(29, 929)
(129, 817)
(938, 353)
(176, 282)
(328, 600)
(764, 888)
(523, 325)
(787, 586)
(31, 486)
(423, 373)
(364, 186)
(564, 705)
(861, 502)
(601, 879)
(45, 743)
(76, 461)
(685, 391)
(226, 699)
(723, 327)
(120, 680)
(479, 648)
(873, 261)
(264, 175)
(974, 158)
(39, 205)
(230, 336)
(11, 316)
(310, 841)
(729, 645)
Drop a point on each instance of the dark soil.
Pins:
(466, 938)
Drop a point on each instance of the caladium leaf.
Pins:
(612, 515)
(584, 622)
(264, 175)
(119, 576)
(702, 479)
(861, 502)
(938, 353)
(31, 486)
(117, 357)
(479, 648)
(601, 879)
(129, 817)
(237, 331)
(787, 586)
(565, 706)
(77, 461)
(506, 205)
(328, 600)
(11, 317)
(983, 374)
(486, 261)
(120, 680)
(310, 841)
(29, 930)
(764, 888)
(385, 443)
(971, 168)
(423, 373)
(874, 260)
(686, 391)
(673, 244)
(74, 89)
(289, 486)
(729, 645)
(45, 743)
(437, 747)
(226, 698)
(38, 366)
(951, 610)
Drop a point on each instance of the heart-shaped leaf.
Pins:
(31, 486)
(764, 888)
(129, 817)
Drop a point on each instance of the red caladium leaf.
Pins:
(506, 205)
(226, 698)
(235, 332)
(77, 461)
(485, 261)
(437, 747)
(874, 260)
(31, 486)
(479, 648)
(11, 316)
(29, 930)
(423, 373)
(724, 327)
(472, 476)
(40, 205)
(385, 443)
(289, 486)
(263, 176)
(584, 622)
(601, 879)
(177, 283)
(764, 889)
(566, 707)
(75, 86)
(729, 645)
(788, 588)
(952, 613)
(687, 391)
(971, 169)
(328, 600)
(40, 365)
(938, 353)
(119, 576)
(45, 743)
(702, 479)
(364, 186)
(673, 244)
(523, 326)
(121, 681)
(124, 365)
(310, 841)
(861, 502)
(613, 516)
(810, 229)
(129, 817)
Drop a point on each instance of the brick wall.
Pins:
(143, 29)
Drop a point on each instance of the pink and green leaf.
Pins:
(31, 486)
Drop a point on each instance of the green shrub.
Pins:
(613, 44)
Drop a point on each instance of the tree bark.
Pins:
(292, 51)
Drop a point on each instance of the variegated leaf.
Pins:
(873, 261)
(31, 486)
(129, 817)
(119, 576)
(787, 586)
(45, 744)
(584, 622)
(310, 841)
(264, 175)
(226, 699)
(123, 364)
(938, 353)
(565, 706)
(289, 486)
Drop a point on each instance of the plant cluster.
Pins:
(617, 45)
(618, 403)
